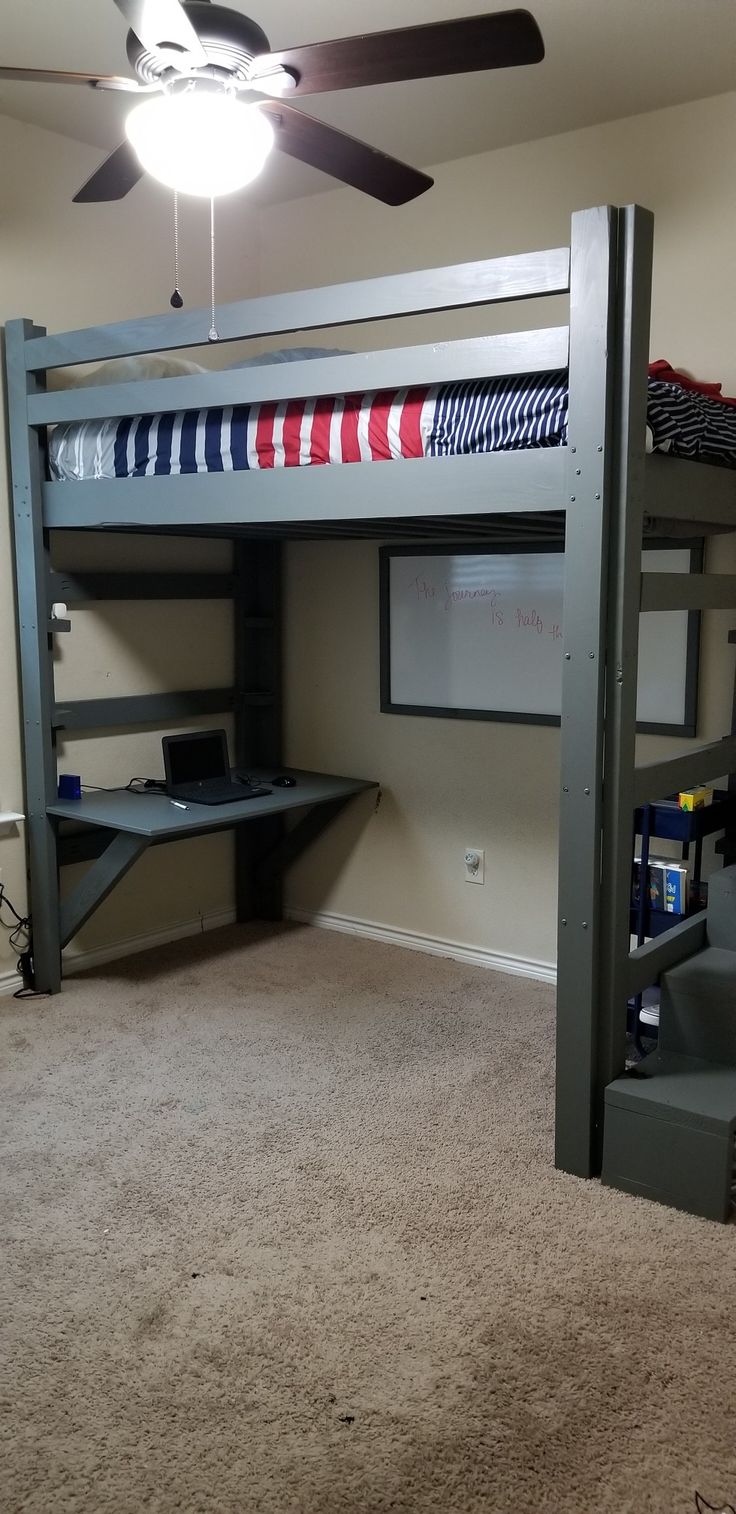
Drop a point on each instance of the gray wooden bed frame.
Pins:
(601, 490)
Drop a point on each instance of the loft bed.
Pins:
(597, 487)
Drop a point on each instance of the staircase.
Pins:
(669, 1125)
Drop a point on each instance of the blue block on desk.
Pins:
(70, 786)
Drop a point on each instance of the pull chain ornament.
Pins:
(176, 299)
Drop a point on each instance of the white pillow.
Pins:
(123, 370)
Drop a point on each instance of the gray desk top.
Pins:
(153, 815)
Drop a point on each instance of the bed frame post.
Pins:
(636, 239)
(36, 659)
(258, 712)
(589, 471)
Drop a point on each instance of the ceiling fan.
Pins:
(214, 95)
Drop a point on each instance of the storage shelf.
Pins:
(668, 822)
(10, 817)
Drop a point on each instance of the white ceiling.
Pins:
(605, 59)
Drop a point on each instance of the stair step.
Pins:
(698, 1006)
(669, 1133)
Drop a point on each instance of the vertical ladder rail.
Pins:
(589, 472)
(32, 570)
(636, 237)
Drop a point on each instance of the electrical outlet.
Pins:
(475, 864)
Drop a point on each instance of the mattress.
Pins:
(441, 420)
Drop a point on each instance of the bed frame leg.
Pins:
(589, 462)
(36, 660)
(257, 595)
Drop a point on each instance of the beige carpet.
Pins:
(283, 1234)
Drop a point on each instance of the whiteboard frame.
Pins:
(688, 727)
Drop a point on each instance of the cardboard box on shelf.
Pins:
(695, 799)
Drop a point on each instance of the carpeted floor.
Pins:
(283, 1234)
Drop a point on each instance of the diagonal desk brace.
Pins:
(296, 841)
(95, 886)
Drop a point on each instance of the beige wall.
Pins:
(447, 784)
(64, 266)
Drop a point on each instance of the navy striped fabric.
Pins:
(688, 424)
(483, 415)
(500, 415)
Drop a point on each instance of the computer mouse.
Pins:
(284, 781)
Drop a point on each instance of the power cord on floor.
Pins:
(19, 937)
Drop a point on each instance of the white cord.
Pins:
(213, 334)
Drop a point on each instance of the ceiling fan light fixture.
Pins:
(200, 141)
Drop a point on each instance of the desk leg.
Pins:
(257, 897)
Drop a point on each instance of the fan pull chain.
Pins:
(176, 299)
(213, 334)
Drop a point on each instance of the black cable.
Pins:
(133, 786)
(19, 939)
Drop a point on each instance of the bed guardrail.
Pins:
(488, 282)
(441, 362)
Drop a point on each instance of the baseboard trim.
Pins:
(79, 961)
(10, 982)
(476, 956)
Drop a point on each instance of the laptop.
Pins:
(197, 769)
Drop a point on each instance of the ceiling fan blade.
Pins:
(504, 39)
(344, 157)
(164, 27)
(112, 180)
(54, 76)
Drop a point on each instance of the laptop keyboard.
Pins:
(218, 788)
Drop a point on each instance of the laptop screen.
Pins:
(198, 755)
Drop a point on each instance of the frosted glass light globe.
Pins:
(200, 142)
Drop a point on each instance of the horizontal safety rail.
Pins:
(397, 368)
(487, 282)
(444, 486)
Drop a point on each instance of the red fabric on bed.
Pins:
(663, 370)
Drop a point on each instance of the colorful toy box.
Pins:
(695, 799)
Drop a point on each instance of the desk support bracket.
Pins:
(110, 867)
(295, 842)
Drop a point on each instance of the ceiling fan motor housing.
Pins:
(230, 40)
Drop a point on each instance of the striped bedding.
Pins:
(442, 420)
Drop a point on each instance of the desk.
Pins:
(125, 824)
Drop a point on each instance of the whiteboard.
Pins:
(480, 634)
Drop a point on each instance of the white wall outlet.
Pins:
(475, 864)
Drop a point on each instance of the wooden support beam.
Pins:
(647, 962)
